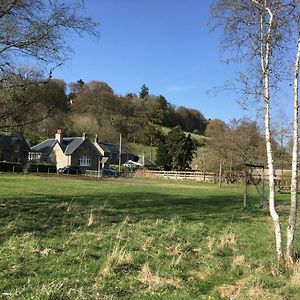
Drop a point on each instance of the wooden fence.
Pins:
(181, 175)
(92, 173)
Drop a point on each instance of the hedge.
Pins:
(31, 168)
(11, 167)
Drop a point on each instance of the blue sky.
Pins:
(165, 44)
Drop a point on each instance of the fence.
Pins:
(181, 175)
(92, 173)
(97, 174)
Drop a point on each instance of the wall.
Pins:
(61, 159)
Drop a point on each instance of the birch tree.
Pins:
(291, 257)
(256, 29)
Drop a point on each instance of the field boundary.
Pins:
(182, 175)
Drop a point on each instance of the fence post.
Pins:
(13, 169)
(245, 187)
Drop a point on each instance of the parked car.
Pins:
(70, 170)
(107, 171)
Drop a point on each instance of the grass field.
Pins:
(64, 238)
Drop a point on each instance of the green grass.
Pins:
(62, 238)
(139, 149)
(199, 138)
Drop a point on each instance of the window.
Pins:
(85, 161)
(35, 156)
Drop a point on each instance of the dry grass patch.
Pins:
(153, 281)
(176, 261)
(238, 261)
(146, 243)
(177, 253)
(235, 291)
(118, 258)
(174, 250)
(258, 293)
(90, 221)
(43, 252)
(238, 292)
(229, 291)
(295, 278)
(226, 240)
(200, 275)
(242, 289)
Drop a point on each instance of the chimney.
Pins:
(84, 136)
(58, 135)
(96, 138)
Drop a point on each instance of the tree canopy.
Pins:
(35, 31)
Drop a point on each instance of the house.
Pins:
(14, 148)
(63, 151)
(112, 151)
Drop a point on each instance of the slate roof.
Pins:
(69, 145)
(109, 147)
(44, 147)
(114, 148)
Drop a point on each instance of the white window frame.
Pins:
(85, 161)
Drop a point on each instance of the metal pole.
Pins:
(245, 187)
(151, 148)
(120, 152)
(220, 175)
(263, 187)
(99, 167)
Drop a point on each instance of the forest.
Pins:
(40, 106)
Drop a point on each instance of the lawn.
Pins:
(66, 238)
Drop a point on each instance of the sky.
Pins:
(165, 44)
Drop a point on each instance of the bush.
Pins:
(40, 168)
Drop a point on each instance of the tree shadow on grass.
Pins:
(56, 215)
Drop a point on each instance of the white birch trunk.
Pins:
(265, 64)
(272, 209)
(293, 207)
